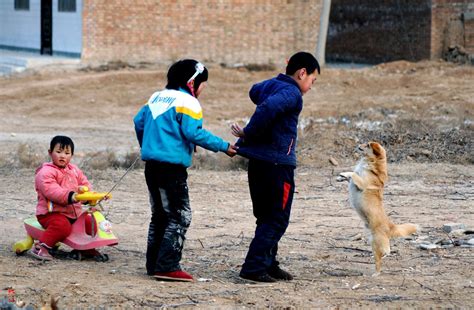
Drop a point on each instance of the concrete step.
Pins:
(12, 64)
(6, 69)
(14, 61)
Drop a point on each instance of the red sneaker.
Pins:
(178, 275)
(41, 252)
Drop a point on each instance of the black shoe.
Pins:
(257, 277)
(279, 274)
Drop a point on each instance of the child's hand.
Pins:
(237, 130)
(82, 189)
(232, 150)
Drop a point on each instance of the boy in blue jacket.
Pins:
(168, 127)
(269, 142)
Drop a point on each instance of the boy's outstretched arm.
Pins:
(191, 128)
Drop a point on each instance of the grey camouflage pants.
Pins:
(170, 215)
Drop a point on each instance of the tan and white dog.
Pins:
(366, 184)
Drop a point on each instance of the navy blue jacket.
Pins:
(271, 132)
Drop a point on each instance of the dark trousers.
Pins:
(170, 215)
(271, 190)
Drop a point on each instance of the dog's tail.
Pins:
(402, 230)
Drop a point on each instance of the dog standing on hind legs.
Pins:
(366, 184)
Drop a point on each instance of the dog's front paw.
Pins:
(344, 176)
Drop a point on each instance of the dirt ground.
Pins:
(421, 112)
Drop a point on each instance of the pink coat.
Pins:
(53, 185)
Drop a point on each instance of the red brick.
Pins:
(230, 31)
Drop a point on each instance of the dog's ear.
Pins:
(376, 148)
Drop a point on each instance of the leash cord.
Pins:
(120, 180)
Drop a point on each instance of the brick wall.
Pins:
(377, 31)
(230, 31)
(448, 27)
(385, 30)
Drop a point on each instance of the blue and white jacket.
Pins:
(169, 126)
(272, 130)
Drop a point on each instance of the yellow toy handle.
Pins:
(92, 197)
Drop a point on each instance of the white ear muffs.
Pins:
(199, 69)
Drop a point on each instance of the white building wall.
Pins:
(67, 29)
(20, 29)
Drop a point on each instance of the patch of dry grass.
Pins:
(27, 156)
(207, 160)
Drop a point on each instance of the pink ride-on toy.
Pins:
(81, 242)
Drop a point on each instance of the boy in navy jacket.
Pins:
(269, 142)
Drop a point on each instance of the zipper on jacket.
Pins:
(289, 148)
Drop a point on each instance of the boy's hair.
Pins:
(63, 142)
(302, 60)
(181, 71)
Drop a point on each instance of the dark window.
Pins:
(67, 6)
(22, 5)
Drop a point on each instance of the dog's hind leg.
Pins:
(380, 248)
(378, 261)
